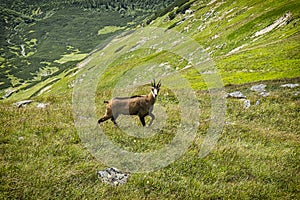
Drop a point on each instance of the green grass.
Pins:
(257, 155)
(71, 57)
(47, 39)
(224, 26)
(109, 29)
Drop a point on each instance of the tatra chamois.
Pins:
(135, 105)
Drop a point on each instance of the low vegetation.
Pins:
(36, 32)
(257, 154)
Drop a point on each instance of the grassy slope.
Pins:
(257, 155)
(224, 26)
(36, 34)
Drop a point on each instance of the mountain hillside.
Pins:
(226, 116)
(41, 39)
(247, 40)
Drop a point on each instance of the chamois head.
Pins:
(155, 88)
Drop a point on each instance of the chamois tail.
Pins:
(105, 101)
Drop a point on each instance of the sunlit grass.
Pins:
(110, 29)
(71, 57)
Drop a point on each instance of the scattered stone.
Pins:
(247, 104)
(261, 88)
(290, 85)
(22, 103)
(20, 138)
(211, 2)
(8, 93)
(257, 102)
(236, 94)
(112, 176)
(236, 49)
(45, 89)
(264, 94)
(258, 88)
(297, 93)
(285, 19)
(75, 82)
(42, 105)
(189, 12)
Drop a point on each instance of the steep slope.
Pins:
(248, 40)
(43, 153)
(41, 39)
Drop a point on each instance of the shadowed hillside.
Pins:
(40, 39)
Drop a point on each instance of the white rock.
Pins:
(113, 176)
(258, 88)
(247, 104)
(290, 85)
(22, 103)
(42, 105)
(257, 102)
(278, 23)
(236, 94)
(264, 94)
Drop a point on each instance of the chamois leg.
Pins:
(103, 119)
(142, 118)
(108, 115)
(113, 119)
(152, 118)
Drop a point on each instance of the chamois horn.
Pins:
(158, 84)
(153, 83)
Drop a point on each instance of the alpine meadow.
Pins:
(61, 60)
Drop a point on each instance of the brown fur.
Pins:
(135, 105)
